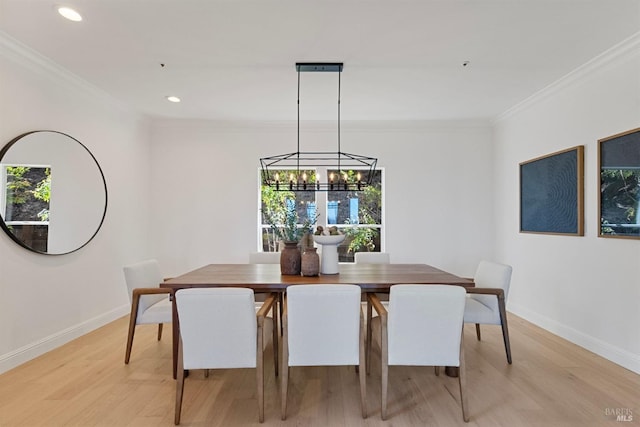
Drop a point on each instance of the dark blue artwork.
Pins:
(551, 193)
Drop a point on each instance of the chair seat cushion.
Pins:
(476, 312)
(159, 312)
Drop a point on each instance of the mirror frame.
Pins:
(4, 226)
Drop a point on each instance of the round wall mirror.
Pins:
(53, 196)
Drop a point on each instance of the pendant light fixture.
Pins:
(352, 172)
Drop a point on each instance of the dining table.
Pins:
(377, 278)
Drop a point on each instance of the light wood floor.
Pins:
(551, 383)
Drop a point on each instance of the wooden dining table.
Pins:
(267, 278)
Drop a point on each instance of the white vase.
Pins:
(329, 253)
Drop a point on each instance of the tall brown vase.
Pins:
(290, 259)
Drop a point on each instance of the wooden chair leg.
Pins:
(274, 343)
(284, 369)
(206, 373)
(437, 370)
(132, 330)
(384, 357)
(280, 308)
(132, 327)
(505, 328)
(179, 385)
(260, 370)
(462, 381)
(369, 335)
(363, 369)
(478, 331)
(159, 331)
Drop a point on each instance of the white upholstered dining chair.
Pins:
(264, 258)
(150, 304)
(372, 258)
(486, 303)
(422, 327)
(323, 326)
(220, 329)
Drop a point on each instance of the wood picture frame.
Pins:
(619, 185)
(552, 193)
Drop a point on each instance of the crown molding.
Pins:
(25, 56)
(620, 52)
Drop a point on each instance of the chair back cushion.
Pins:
(323, 324)
(218, 327)
(492, 275)
(264, 258)
(425, 325)
(144, 274)
(372, 258)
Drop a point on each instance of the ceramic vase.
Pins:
(290, 259)
(310, 262)
(329, 261)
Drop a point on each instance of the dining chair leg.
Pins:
(127, 356)
(505, 328)
(462, 381)
(363, 369)
(159, 331)
(478, 331)
(274, 343)
(179, 385)
(260, 369)
(436, 369)
(384, 357)
(284, 371)
(369, 335)
(280, 306)
(132, 327)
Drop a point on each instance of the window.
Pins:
(358, 214)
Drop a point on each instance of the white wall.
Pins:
(586, 289)
(438, 197)
(48, 300)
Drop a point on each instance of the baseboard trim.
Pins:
(31, 351)
(610, 352)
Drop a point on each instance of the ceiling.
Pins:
(403, 60)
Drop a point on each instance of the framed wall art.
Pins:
(619, 188)
(552, 193)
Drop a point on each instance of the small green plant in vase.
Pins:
(284, 223)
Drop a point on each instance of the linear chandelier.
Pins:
(353, 172)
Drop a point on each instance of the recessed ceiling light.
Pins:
(173, 99)
(70, 14)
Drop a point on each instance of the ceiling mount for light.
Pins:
(362, 168)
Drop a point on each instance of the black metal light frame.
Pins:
(300, 160)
